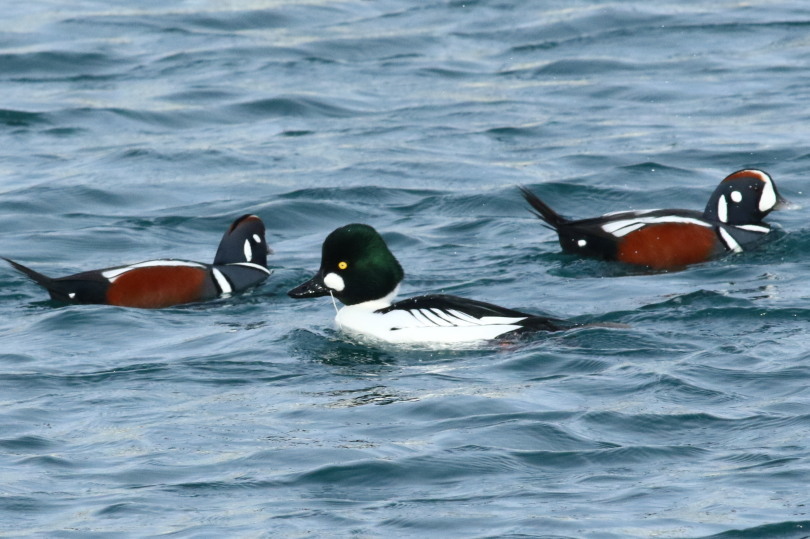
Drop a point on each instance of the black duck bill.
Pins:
(314, 288)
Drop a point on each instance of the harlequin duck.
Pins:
(240, 263)
(358, 269)
(670, 239)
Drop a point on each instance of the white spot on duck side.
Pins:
(582, 243)
(736, 196)
(248, 251)
(334, 281)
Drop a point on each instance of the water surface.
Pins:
(137, 131)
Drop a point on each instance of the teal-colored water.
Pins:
(131, 131)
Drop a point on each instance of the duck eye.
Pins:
(342, 265)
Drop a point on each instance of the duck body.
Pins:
(439, 318)
(358, 269)
(240, 263)
(672, 238)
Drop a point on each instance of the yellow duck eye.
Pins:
(342, 265)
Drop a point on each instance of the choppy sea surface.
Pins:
(138, 130)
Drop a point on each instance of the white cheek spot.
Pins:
(722, 209)
(736, 196)
(582, 243)
(768, 198)
(334, 281)
(256, 238)
(248, 251)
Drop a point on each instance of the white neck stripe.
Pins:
(222, 281)
(250, 265)
(730, 242)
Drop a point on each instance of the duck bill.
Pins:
(314, 288)
(782, 204)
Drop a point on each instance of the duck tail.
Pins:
(42, 280)
(542, 210)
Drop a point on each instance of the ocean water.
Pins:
(138, 130)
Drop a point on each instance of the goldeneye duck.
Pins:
(240, 263)
(670, 239)
(358, 269)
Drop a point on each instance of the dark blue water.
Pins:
(131, 131)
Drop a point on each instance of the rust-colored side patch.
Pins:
(156, 287)
(668, 245)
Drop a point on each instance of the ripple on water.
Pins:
(679, 410)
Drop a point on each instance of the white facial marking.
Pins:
(223, 283)
(736, 196)
(334, 281)
(582, 243)
(768, 198)
(722, 209)
(248, 250)
(256, 238)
